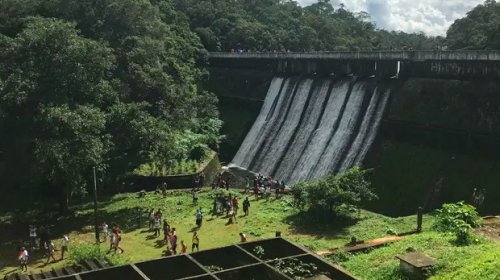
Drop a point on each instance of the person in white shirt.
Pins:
(64, 245)
(243, 237)
(33, 236)
(105, 231)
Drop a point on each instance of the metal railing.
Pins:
(366, 55)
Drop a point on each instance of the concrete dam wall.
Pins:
(463, 65)
(308, 128)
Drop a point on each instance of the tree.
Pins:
(134, 63)
(49, 72)
(336, 194)
(71, 142)
(480, 29)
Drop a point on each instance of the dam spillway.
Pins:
(311, 127)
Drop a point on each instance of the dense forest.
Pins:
(113, 84)
(479, 30)
(268, 25)
(107, 84)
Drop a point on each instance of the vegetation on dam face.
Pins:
(470, 106)
(408, 175)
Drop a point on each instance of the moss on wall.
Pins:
(467, 105)
(407, 175)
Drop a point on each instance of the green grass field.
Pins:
(266, 217)
(478, 261)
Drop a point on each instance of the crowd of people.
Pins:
(264, 186)
(40, 240)
(115, 237)
(228, 205)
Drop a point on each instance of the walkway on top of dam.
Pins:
(493, 56)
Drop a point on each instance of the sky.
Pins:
(432, 17)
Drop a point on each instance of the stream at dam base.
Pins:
(310, 127)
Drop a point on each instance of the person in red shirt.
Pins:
(256, 191)
(234, 203)
(183, 247)
(23, 259)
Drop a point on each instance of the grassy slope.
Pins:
(265, 218)
(479, 261)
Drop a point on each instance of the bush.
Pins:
(175, 168)
(81, 253)
(339, 194)
(458, 218)
(340, 257)
(450, 213)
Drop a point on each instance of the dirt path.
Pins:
(490, 228)
(366, 244)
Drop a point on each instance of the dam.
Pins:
(427, 123)
(435, 64)
(308, 128)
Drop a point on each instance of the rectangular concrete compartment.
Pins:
(202, 277)
(273, 248)
(334, 272)
(225, 257)
(119, 272)
(254, 272)
(170, 268)
(71, 277)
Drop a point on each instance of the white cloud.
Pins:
(432, 17)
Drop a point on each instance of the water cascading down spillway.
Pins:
(308, 128)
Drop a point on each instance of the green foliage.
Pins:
(338, 194)
(340, 257)
(67, 131)
(458, 218)
(480, 29)
(259, 251)
(296, 268)
(450, 213)
(272, 25)
(214, 268)
(112, 84)
(82, 253)
(175, 167)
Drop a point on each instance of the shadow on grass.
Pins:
(47, 214)
(151, 237)
(159, 243)
(321, 225)
(193, 229)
